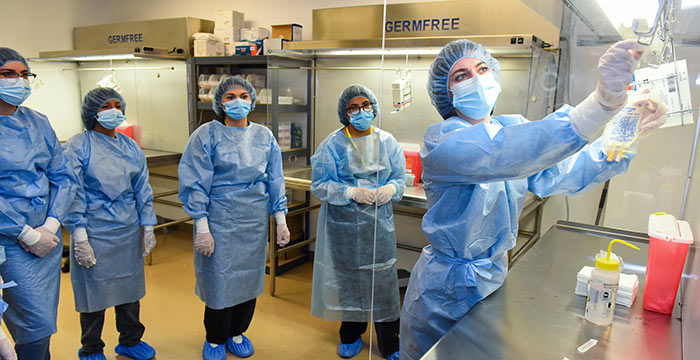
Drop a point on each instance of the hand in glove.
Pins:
(149, 240)
(361, 195)
(203, 241)
(82, 250)
(615, 69)
(282, 235)
(7, 350)
(385, 193)
(653, 116)
(38, 241)
(282, 230)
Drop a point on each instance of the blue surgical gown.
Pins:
(232, 176)
(343, 261)
(35, 182)
(114, 200)
(476, 178)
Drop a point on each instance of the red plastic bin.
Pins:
(413, 163)
(669, 240)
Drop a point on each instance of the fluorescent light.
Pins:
(104, 57)
(623, 12)
(386, 52)
(689, 4)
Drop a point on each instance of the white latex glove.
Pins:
(385, 193)
(203, 241)
(361, 195)
(282, 235)
(652, 118)
(149, 239)
(615, 70)
(282, 230)
(38, 241)
(7, 350)
(82, 250)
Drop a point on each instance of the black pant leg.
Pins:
(35, 350)
(241, 316)
(351, 331)
(91, 332)
(387, 337)
(217, 324)
(128, 324)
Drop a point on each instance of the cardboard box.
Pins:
(227, 35)
(291, 32)
(230, 49)
(209, 48)
(273, 44)
(228, 18)
(249, 47)
(253, 34)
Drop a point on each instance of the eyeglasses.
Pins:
(354, 109)
(13, 77)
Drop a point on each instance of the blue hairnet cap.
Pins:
(233, 83)
(438, 78)
(8, 55)
(350, 93)
(92, 102)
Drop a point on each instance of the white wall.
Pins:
(48, 26)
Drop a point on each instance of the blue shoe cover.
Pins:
(350, 350)
(394, 356)
(242, 350)
(99, 356)
(142, 351)
(213, 353)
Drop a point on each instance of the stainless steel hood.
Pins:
(515, 44)
(162, 39)
(501, 25)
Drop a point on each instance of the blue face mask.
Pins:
(111, 118)
(476, 97)
(14, 93)
(362, 120)
(237, 109)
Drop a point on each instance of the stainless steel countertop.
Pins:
(536, 315)
(300, 178)
(156, 157)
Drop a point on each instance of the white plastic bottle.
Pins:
(602, 289)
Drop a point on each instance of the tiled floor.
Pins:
(282, 326)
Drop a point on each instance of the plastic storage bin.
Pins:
(668, 246)
(131, 131)
(412, 154)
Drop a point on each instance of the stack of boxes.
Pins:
(401, 94)
(208, 45)
(254, 34)
(284, 135)
(251, 42)
(227, 26)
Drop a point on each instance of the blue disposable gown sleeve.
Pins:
(11, 222)
(325, 180)
(62, 182)
(196, 175)
(485, 153)
(275, 179)
(588, 167)
(143, 193)
(398, 169)
(76, 153)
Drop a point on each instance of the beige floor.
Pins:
(282, 326)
